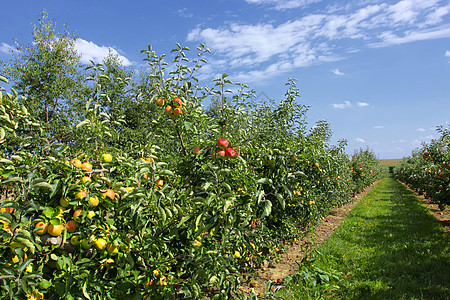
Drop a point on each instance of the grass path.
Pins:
(389, 247)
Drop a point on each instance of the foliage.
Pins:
(428, 169)
(46, 73)
(155, 218)
(365, 169)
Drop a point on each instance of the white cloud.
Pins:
(346, 104)
(6, 48)
(337, 72)
(362, 104)
(378, 126)
(389, 38)
(360, 140)
(435, 17)
(284, 4)
(408, 11)
(184, 12)
(447, 53)
(421, 129)
(263, 50)
(91, 51)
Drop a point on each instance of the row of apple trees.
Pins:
(209, 195)
(428, 169)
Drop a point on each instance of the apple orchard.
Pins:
(178, 206)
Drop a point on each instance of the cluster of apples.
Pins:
(224, 150)
(174, 109)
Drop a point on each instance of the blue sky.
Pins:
(377, 71)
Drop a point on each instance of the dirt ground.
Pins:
(287, 265)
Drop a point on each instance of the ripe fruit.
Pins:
(159, 182)
(237, 254)
(80, 195)
(93, 201)
(71, 226)
(91, 214)
(160, 101)
(64, 202)
(55, 230)
(221, 153)
(230, 152)
(177, 111)
(7, 209)
(177, 102)
(196, 150)
(222, 144)
(42, 228)
(100, 244)
(107, 157)
(87, 166)
(85, 179)
(75, 240)
(168, 110)
(109, 193)
(76, 162)
(293, 159)
(78, 215)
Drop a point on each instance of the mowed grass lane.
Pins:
(389, 247)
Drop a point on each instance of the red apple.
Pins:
(221, 152)
(196, 150)
(177, 111)
(160, 101)
(222, 144)
(230, 152)
(177, 102)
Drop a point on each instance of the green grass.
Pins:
(389, 247)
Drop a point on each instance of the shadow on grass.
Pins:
(407, 252)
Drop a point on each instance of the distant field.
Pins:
(390, 162)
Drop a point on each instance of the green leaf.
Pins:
(227, 186)
(45, 284)
(264, 181)
(197, 220)
(2, 133)
(267, 208)
(24, 265)
(6, 218)
(29, 244)
(4, 79)
(182, 221)
(166, 172)
(17, 158)
(5, 161)
(43, 185)
(227, 205)
(48, 212)
(281, 200)
(83, 123)
(12, 180)
(260, 196)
